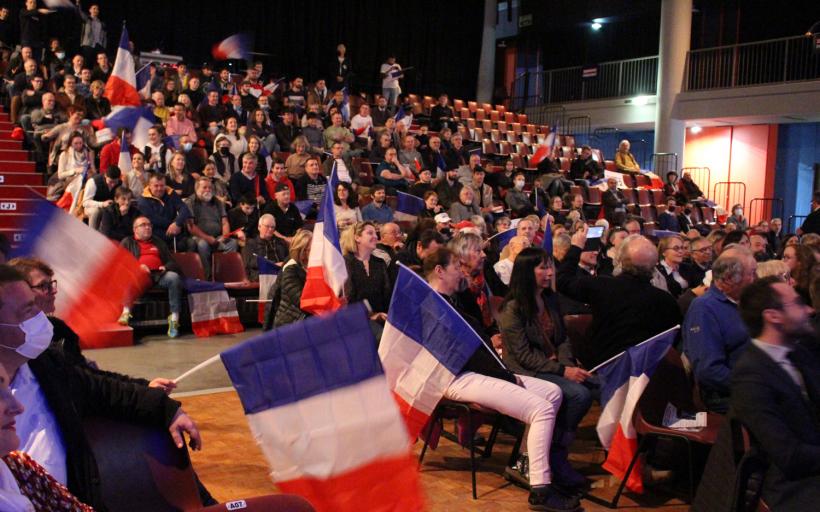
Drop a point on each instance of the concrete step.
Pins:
(108, 336)
(22, 192)
(8, 177)
(17, 205)
(17, 155)
(15, 221)
(11, 144)
(16, 166)
(14, 235)
(5, 124)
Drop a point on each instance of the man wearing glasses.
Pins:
(699, 262)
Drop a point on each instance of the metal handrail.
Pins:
(751, 43)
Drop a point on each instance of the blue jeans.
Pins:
(172, 282)
(577, 401)
(205, 250)
(392, 96)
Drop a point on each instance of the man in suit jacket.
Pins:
(614, 203)
(812, 222)
(776, 394)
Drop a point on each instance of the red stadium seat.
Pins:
(465, 113)
(505, 148)
(512, 137)
(644, 197)
(531, 128)
(629, 180)
(522, 118)
(495, 136)
(473, 106)
(501, 109)
(488, 147)
(228, 268)
(658, 198)
(458, 105)
(708, 214)
(502, 126)
(494, 116)
(643, 181)
(565, 163)
(190, 263)
(509, 118)
(594, 196)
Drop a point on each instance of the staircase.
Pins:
(20, 187)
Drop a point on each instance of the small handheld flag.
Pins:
(237, 46)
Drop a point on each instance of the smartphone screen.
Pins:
(593, 242)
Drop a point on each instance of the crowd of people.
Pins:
(229, 160)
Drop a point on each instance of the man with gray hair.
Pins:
(714, 334)
(626, 309)
(208, 223)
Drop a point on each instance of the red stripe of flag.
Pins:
(621, 452)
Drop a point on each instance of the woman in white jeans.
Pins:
(486, 381)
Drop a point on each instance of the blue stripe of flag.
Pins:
(35, 226)
(304, 359)
(635, 361)
(409, 204)
(424, 316)
(326, 214)
(197, 286)
(266, 266)
(504, 237)
(547, 243)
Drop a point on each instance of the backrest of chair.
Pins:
(228, 267)
(190, 263)
(577, 326)
(277, 502)
(140, 467)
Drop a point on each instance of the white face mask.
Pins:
(738, 212)
(519, 185)
(38, 331)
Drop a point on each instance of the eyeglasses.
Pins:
(703, 250)
(45, 286)
(675, 248)
(143, 225)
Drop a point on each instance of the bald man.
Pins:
(626, 309)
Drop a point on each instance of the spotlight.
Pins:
(696, 129)
(596, 26)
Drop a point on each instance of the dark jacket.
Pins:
(448, 194)
(162, 212)
(327, 168)
(115, 225)
(275, 250)
(812, 223)
(614, 206)
(783, 422)
(374, 286)
(626, 310)
(130, 244)
(580, 168)
(527, 349)
(76, 392)
(289, 285)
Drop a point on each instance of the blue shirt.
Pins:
(381, 215)
(714, 336)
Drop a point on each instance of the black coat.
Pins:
(76, 392)
(812, 223)
(626, 310)
(287, 295)
(115, 225)
(784, 423)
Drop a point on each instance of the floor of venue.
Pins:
(232, 467)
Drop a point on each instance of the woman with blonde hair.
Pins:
(367, 277)
(286, 293)
(295, 164)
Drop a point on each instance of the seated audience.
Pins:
(287, 292)
(614, 203)
(393, 174)
(714, 335)
(166, 211)
(247, 181)
(312, 185)
(624, 160)
(671, 250)
(367, 274)
(585, 168)
(619, 304)
(76, 159)
(377, 210)
(485, 380)
(179, 178)
(516, 199)
(464, 208)
(504, 267)
(266, 244)
(737, 218)
(208, 224)
(99, 193)
(345, 208)
(295, 164)
(668, 220)
(345, 170)
(118, 218)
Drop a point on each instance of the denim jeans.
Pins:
(171, 282)
(577, 401)
(392, 96)
(205, 250)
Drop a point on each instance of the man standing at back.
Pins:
(713, 332)
(391, 73)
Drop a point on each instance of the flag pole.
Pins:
(616, 356)
(203, 364)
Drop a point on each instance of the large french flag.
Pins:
(318, 405)
(408, 207)
(212, 310)
(623, 380)
(143, 82)
(326, 272)
(424, 346)
(124, 162)
(268, 272)
(504, 237)
(97, 276)
(121, 88)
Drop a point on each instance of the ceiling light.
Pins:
(696, 129)
(596, 26)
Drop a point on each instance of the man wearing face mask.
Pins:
(58, 395)
(517, 199)
(225, 161)
(668, 220)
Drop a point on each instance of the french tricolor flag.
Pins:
(408, 207)
(136, 119)
(326, 272)
(143, 82)
(212, 310)
(236, 46)
(425, 345)
(71, 197)
(623, 380)
(268, 272)
(317, 402)
(124, 162)
(345, 108)
(121, 88)
(97, 276)
(504, 237)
